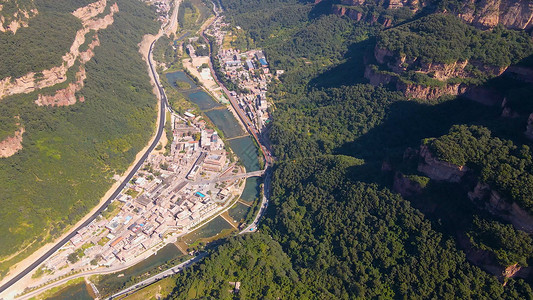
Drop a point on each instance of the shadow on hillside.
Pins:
(408, 122)
(350, 72)
(320, 9)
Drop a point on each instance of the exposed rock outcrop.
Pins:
(413, 90)
(418, 91)
(440, 73)
(521, 73)
(376, 77)
(405, 186)
(515, 14)
(31, 81)
(356, 9)
(439, 170)
(487, 261)
(12, 144)
(23, 12)
(67, 96)
(497, 205)
(90, 11)
(484, 95)
(413, 5)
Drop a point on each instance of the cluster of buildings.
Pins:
(249, 71)
(170, 194)
(162, 8)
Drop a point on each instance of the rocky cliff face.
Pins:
(413, 5)
(405, 186)
(31, 81)
(487, 261)
(439, 170)
(497, 205)
(418, 91)
(515, 14)
(67, 96)
(412, 90)
(371, 11)
(12, 21)
(12, 144)
(520, 73)
(439, 72)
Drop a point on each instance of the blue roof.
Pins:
(263, 61)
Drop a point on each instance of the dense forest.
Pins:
(440, 38)
(343, 233)
(500, 163)
(29, 50)
(345, 240)
(43, 190)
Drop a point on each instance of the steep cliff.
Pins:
(437, 169)
(67, 96)
(386, 13)
(12, 144)
(484, 14)
(411, 89)
(440, 55)
(408, 185)
(515, 14)
(491, 200)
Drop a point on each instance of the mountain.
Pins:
(514, 14)
(439, 54)
(401, 132)
(16, 14)
(68, 103)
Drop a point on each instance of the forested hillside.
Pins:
(70, 153)
(347, 152)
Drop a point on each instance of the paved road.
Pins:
(248, 124)
(242, 116)
(60, 244)
(157, 277)
(264, 204)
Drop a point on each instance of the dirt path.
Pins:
(229, 219)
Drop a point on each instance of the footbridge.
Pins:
(229, 177)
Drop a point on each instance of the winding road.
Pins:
(162, 112)
(161, 127)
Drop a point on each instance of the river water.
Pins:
(78, 291)
(250, 194)
(240, 142)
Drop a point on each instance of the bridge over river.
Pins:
(230, 177)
